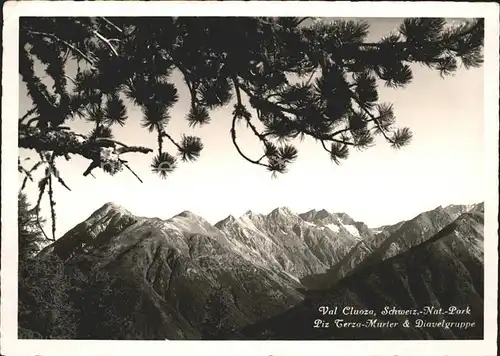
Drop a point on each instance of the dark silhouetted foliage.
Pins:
(30, 234)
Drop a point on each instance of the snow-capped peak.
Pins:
(111, 207)
(281, 211)
(224, 222)
(251, 215)
(315, 216)
(345, 219)
(323, 213)
(186, 214)
(310, 212)
(187, 221)
(189, 216)
(280, 217)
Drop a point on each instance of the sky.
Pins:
(443, 164)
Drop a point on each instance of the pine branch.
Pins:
(233, 138)
(67, 44)
(160, 142)
(70, 78)
(270, 103)
(109, 22)
(329, 151)
(62, 142)
(326, 137)
(32, 120)
(260, 135)
(374, 119)
(52, 207)
(55, 172)
(233, 132)
(28, 175)
(124, 148)
(106, 41)
(41, 187)
(93, 165)
(28, 113)
(66, 55)
(130, 169)
(311, 76)
(172, 140)
(302, 20)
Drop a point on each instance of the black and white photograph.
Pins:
(250, 178)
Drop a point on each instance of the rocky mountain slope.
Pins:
(298, 244)
(444, 273)
(253, 263)
(180, 262)
(389, 241)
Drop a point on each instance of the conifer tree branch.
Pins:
(164, 134)
(374, 119)
(329, 137)
(324, 147)
(109, 22)
(105, 140)
(42, 184)
(28, 174)
(28, 113)
(93, 165)
(130, 169)
(339, 132)
(70, 78)
(271, 103)
(313, 72)
(52, 208)
(260, 135)
(235, 144)
(66, 55)
(233, 128)
(67, 44)
(342, 141)
(54, 172)
(32, 120)
(106, 41)
(303, 20)
(61, 142)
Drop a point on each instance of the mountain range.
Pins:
(264, 272)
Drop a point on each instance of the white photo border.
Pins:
(9, 343)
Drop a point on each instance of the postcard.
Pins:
(249, 178)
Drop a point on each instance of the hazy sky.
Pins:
(443, 165)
